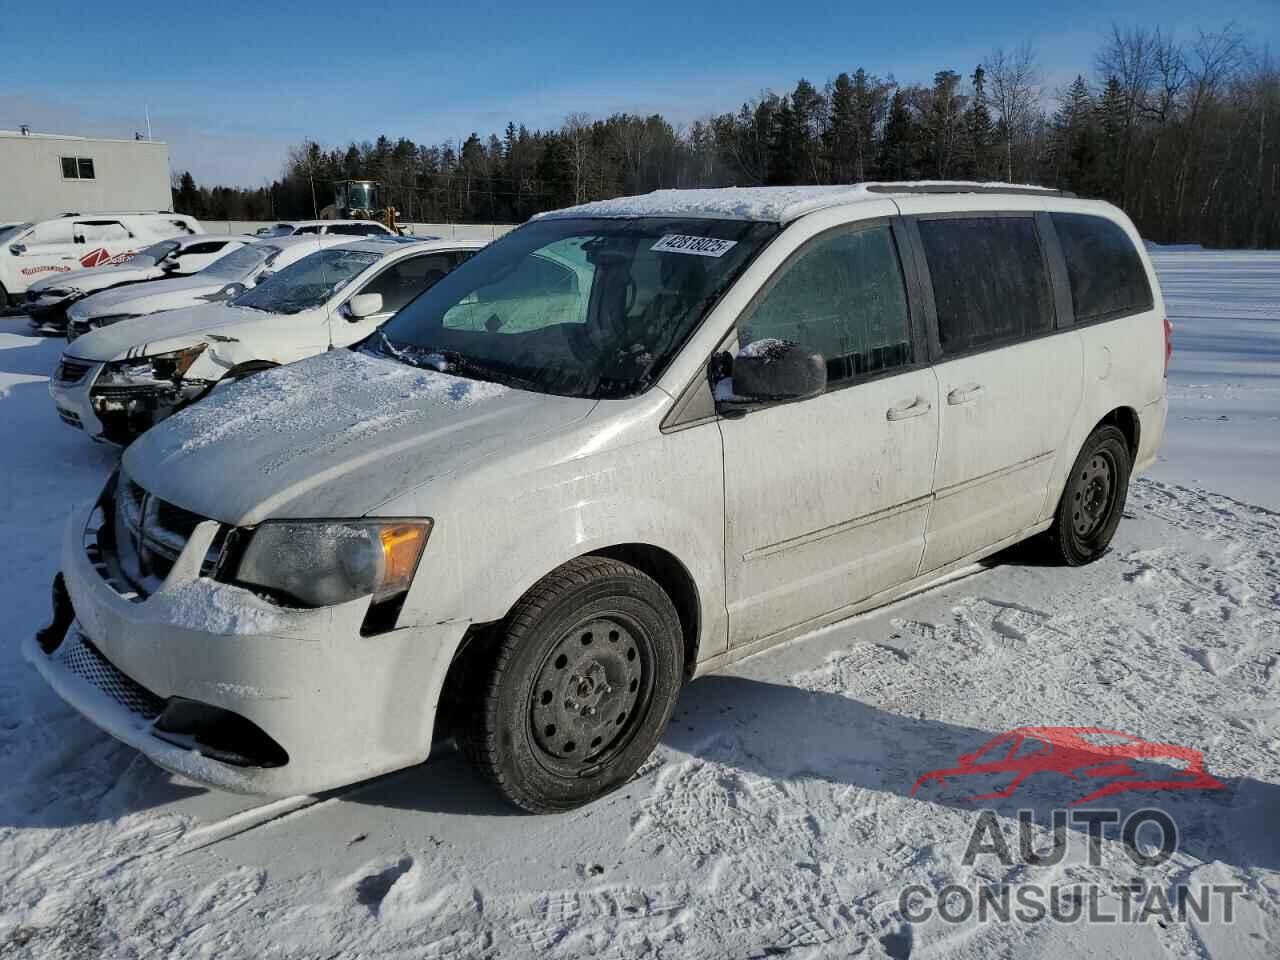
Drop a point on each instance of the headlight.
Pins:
(162, 369)
(319, 563)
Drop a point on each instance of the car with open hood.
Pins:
(117, 381)
(624, 445)
(47, 300)
(223, 279)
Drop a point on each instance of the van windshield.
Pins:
(577, 307)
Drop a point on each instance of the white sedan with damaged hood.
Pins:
(49, 299)
(220, 281)
(118, 381)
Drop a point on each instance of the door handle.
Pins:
(964, 394)
(915, 407)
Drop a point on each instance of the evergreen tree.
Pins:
(186, 199)
(897, 147)
(978, 127)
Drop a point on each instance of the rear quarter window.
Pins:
(990, 281)
(1106, 274)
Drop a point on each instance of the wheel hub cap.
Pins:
(1093, 496)
(586, 691)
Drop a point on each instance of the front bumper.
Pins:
(73, 403)
(118, 415)
(342, 707)
(48, 314)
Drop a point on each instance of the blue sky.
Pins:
(231, 85)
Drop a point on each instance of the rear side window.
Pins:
(1106, 273)
(990, 283)
(845, 298)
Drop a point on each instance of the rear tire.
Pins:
(1093, 500)
(577, 689)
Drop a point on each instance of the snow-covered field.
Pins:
(778, 817)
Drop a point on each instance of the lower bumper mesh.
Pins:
(79, 656)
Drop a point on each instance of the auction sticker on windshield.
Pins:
(698, 246)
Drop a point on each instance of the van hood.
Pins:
(134, 337)
(333, 436)
(99, 278)
(158, 295)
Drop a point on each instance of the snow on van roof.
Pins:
(774, 204)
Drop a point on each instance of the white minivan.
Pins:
(120, 380)
(74, 241)
(623, 445)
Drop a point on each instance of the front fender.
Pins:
(495, 538)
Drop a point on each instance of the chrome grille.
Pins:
(149, 534)
(71, 371)
(77, 655)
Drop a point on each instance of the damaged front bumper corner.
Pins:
(118, 414)
(126, 412)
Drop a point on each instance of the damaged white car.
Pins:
(225, 278)
(47, 300)
(116, 382)
(623, 445)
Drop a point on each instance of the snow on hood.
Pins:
(333, 436)
(150, 298)
(112, 342)
(96, 278)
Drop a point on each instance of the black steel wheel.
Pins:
(593, 686)
(578, 687)
(1093, 499)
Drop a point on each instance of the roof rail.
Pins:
(968, 188)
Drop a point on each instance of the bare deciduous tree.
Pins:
(1015, 93)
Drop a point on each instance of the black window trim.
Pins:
(1050, 254)
(1119, 314)
(915, 308)
(76, 159)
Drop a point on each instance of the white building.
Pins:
(43, 175)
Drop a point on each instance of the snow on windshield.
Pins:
(309, 282)
(155, 253)
(241, 263)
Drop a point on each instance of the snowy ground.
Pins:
(777, 818)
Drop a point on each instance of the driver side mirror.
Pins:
(17, 249)
(772, 370)
(363, 305)
(169, 266)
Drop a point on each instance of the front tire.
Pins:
(579, 688)
(1093, 500)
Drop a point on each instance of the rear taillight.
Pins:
(1168, 344)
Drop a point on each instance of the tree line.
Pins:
(1185, 136)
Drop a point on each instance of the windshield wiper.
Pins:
(451, 361)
